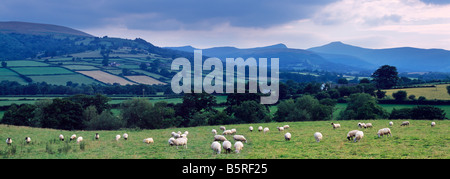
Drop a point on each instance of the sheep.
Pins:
(250, 128)
(260, 128)
(8, 141)
(227, 146)
(280, 129)
(180, 142)
(405, 123)
(73, 137)
(318, 136)
(171, 141)
(148, 141)
(391, 123)
(175, 135)
(117, 137)
(361, 125)
(61, 137)
(287, 136)
(286, 126)
(219, 138)
(28, 140)
(214, 131)
(358, 136)
(79, 139)
(335, 125)
(384, 131)
(226, 132)
(97, 136)
(215, 146)
(369, 125)
(233, 131)
(222, 128)
(238, 146)
(186, 132)
(351, 134)
(183, 136)
(239, 138)
(266, 130)
(433, 124)
(125, 136)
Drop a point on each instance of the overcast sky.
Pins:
(248, 23)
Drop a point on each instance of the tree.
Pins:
(63, 114)
(385, 77)
(4, 64)
(305, 108)
(135, 111)
(362, 106)
(251, 112)
(342, 81)
(400, 95)
(448, 90)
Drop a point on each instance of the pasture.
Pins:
(106, 77)
(439, 92)
(418, 141)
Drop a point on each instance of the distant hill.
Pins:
(39, 29)
(404, 58)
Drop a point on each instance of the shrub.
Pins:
(400, 95)
(362, 106)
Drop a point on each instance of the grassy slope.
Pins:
(440, 92)
(416, 141)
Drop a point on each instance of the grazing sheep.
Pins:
(361, 125)
(358, 136)
(384, 131)
(148, 141)
(97, 136)
(250, 128)
(239, 138)
(227, 132)
(216, 147)
(79, 139)
(318, 136)
(433, 124)
(369, 125)
(335, 125)
(287, 136)
(260, 128)
(125, 136)
(227, 146)
(266, 130)
(176, 135)
(233, 131)
(180, 142)
(73, 137)
(61, 137)
(8, 141)
(219, 138)
(214, 132)
(286, 127)
(238, 146)
(351, 134)
(171, 141)
(391, 123)
(183, 136)
(28, 140)
(186, 132)
(280, 129)
(117, 137)
(405, 123)
(222, 128)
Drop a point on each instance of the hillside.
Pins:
(39, 29)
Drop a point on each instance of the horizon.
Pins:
(201, 24)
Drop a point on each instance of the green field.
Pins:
(41, 70)
(63, 79)
(439, 92)
(418, 140)
(20, 63)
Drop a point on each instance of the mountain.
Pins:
(293, 59)
(39, 29)
(406, 59)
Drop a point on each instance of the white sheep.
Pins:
(79, 139)
(8, 141)
(171, 141)
(216, 147)
(214, 131)
(260, 128)
(61, 137)
(219, 138)
(286, 126)
(227, 132)
(384, 131)
(125, 136)
(250, 128)
(239, 138)
(351, 134)
(335, 125)
(318, 136)
(180, 142)
(433, 124)
(405, 123)
(148, 141)
(186, 132)
(97, 136)
(227, 146)
(233, 131)
(287, 136)
(280, 129)
(73, 137)
(223, 128)
(369, 125)
(238, 146)
(358, 136)
(391, 123)
(266, 130)
(183, 136)
(117, 137)
(361, 125)
(175, 135)
(28, 140)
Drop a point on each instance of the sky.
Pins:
(248, 23)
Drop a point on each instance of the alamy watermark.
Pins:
(214, 82)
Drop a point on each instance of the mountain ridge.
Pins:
(39, 29)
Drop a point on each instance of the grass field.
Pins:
(106, 77)
(63, 79)
(41, 70)
(418, 140)
(440, 92)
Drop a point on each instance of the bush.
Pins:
(305, 108)
(418, 112)
(362, 106)
(105, 121)
(400, 95)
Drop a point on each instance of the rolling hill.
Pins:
(39, 29)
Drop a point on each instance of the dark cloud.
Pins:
(160, 14)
